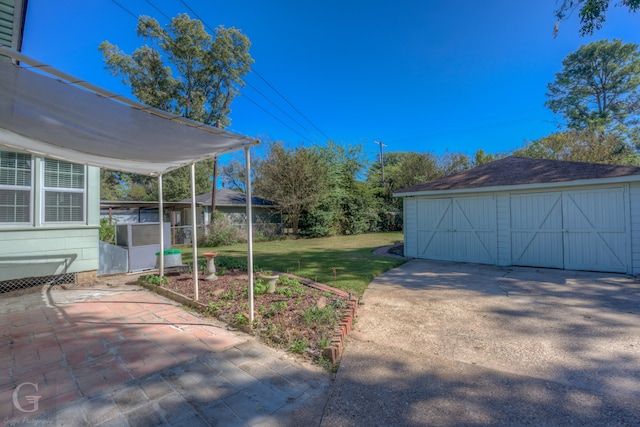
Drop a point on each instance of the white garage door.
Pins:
(575, 230)
(457, 229)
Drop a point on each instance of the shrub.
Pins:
(107, 231)
(221, 233)
(153, 279)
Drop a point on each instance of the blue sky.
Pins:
(427, 76)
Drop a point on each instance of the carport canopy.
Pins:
(76, 121)
(69, 119)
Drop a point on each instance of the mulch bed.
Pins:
(297, 317)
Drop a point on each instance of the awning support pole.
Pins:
(194, 233)
(247, 174)
(160, 216)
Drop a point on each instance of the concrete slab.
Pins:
(440, 343)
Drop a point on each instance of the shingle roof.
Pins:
(514, 170)
(226, 197)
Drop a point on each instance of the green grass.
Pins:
(346, 262)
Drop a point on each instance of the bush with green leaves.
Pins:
(221, 233)
(107, 231)
(154, 279)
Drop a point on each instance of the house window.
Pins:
(64, 191)
(15, 188)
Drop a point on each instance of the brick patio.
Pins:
(79, 348)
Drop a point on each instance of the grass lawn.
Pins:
(346, 262)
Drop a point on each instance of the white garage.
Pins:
(528, 212)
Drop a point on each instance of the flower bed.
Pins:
(301, 316)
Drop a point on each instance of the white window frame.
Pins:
(45, 190)
(28, 188)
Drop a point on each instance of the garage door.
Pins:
(575, 230)
(457, 229)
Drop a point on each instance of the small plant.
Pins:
(260, 287)
(280, 305)
(228, 295)
(298, 346)
(213, 307)
(338, 303)
(241, 319)
(324, 342)
(263, 272)
(324, 315)
(153, 279)
(221, 271)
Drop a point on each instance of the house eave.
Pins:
(523, 187)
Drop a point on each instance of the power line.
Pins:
(278, 107)
(272, 115)
(288, 102)
(159, 10)
(125, 9)
(185, 4)
(262, 78)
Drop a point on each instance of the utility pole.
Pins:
(381, 158)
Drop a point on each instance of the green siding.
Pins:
(6, 21)
(41, 251)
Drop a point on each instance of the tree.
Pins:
(185, 71)
(348, 207)
(592, 12)
(233, 175)
(297, 180)
(580, 146)
(598, 88)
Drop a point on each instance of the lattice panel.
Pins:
(12, 285)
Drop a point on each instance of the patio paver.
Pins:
(123, 353)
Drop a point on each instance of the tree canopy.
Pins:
(592, 12)
(580, 146)
(184, 70)
(598, 88)
(296, 179)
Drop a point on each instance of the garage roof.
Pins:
(89, 125)
(520, 171)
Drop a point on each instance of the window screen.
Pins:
(64, 191)
(15, 188)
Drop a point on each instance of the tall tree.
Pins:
(598, 88)
(184, 70)
(580, 146)
(592, 12)
(296, 179)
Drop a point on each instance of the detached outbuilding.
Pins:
(528, 212)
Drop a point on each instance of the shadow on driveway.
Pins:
(440, 343)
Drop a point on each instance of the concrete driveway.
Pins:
(440, 343)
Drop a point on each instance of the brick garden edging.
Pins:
(333, 352)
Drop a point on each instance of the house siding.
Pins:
(36, 250)
(410, 227)
(634, 222)
(627, 204)
(503, 217)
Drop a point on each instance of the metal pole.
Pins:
(381, 158)
(247, 166)
(194, 233)
(160, 216)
